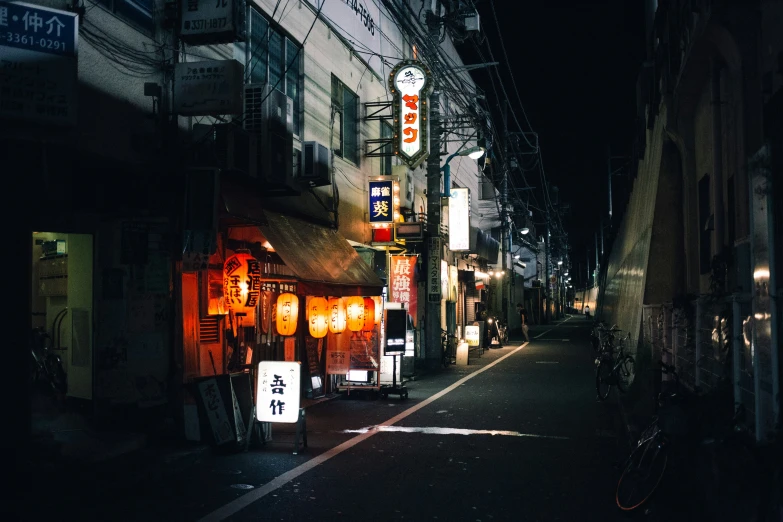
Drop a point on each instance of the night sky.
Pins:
(575, 64)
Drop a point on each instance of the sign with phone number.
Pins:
(38, 28)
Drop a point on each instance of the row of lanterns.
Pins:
(241, 274)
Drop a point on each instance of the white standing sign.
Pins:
(472, 335)
(278, 391)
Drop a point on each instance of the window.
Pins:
(346, 121)
(276, 59)
(386, 161)
(137, 12)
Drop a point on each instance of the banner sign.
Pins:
(402, 282)
(409, 83)
(208, 87)
(208, 21)
(381, 201)
(433, 270)
(278, 391)
(38, 80)
(459, 219)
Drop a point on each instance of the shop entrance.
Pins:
(62, 311)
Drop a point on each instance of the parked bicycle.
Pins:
(46, 368)
(448, 348)
(613, 369)
(715, 462)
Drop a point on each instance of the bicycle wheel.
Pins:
(602, 375)
(626, 371)
(642, 473)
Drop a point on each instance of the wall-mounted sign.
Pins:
(459, 219)
(208, 88)
(472, 335)
(433, 270)
(278, 391)
(409, 83)
(210, 21)
(382, 207)
(402, 284)
(38, 69)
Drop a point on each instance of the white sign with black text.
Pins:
(433, 270)
(459, 219)
(278, 391)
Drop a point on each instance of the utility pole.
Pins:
(547, 293)
(503, 217)
(597, 261)
(432, 318)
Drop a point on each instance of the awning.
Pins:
(321, 258)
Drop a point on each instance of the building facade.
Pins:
(186, 140)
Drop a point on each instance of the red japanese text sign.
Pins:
(409, 83)
(402, 284)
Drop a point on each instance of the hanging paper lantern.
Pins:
(242, 284)
(287, 313)
(336, 315)
(354, 311)
(318, 319)
(369, 314)
(378, 300)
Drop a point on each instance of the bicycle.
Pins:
(645, 466)
(448, 348)
(717, 461)
(613, 370)
(45, 367)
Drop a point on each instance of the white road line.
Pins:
(452, 431)
(547, 331)
(248, 498)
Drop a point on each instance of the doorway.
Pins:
(62, 312)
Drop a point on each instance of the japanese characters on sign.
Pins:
(459, 219)
(38, 63)
(472, 335)
(216, 411)
(381, 201)
(242, 284)
(38, 28)
(403, 282)
(433, 270)
(278, 391)
(207, 20)
(409, 83)
(208, 87)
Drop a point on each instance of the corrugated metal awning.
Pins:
(321, 258)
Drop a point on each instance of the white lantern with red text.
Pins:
(318, 318)
(336, 315)
(354, 311)
(287, 313)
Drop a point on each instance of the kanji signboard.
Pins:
(409, 83)
(38, 63)
(278, 391)
(381, 201)
(403, 282)
(433, 270)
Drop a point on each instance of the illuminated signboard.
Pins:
(433, 270)
(278, 390)
(472, 335)
(409, 83)
(402, 274)
(459, 219)
(382, 204)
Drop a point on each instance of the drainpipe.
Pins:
(717, 154)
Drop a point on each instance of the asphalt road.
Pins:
(517, 435)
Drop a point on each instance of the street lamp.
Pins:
(524, 230)
(471, 152)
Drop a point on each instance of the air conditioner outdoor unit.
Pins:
(268, 118)
(316, 164)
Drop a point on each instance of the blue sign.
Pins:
(381, 201)
(37, 28)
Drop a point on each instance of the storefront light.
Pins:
(318, 320)
(337, 318)
(287, 314)
(354, 311)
